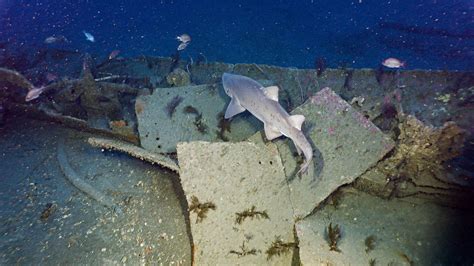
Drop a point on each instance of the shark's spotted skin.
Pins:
(248, 94)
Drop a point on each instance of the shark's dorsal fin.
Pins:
(271, 92)
(297, 121)
(271, 132)
(233, 108)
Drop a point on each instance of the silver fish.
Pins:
(55, 39)
(182, 46)
(393, 63)
(248, 94)
(89, 36)
(34, 93)
(184, 38)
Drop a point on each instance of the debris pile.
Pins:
(422, 149)
(178, 78)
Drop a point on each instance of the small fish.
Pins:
(393, 63)
(182, 46)
(185, 38)
(51, 77)
(34, 93)
(89, 36)
(320, 64)
(55, 39)
(114, 54)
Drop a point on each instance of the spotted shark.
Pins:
(262, 102)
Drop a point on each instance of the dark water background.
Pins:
(435, 34)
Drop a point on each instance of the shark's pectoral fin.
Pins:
(271, 132)
(271, 93)
(296, 121)
(233, 109)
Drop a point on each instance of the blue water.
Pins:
(436, 34)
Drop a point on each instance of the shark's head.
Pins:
(233, 83)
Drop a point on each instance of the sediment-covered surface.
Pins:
(44, 219)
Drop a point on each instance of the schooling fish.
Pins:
(248, 94)
(89, 36)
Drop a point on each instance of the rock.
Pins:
(345, 144)
(223, 179)
(171, 115)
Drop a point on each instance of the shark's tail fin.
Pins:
(304, 167)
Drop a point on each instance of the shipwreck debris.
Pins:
(135, 151)
(339, 159)
(78, 182)
(178, 78)
(15, 78)
(422, 150)
(229, 175)
(159, 134)
(45, 113)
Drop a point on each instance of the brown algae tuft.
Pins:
(200, 126)
(48, 210)
(244, 251)
(333, 236)
(200, 209)
(250, 213)
(279, 247)
(370, 243)
(171, 106)
(223, 125)
(372, 262)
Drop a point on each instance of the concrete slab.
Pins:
(396, 232)
(225, 181)
(345, 144)
(171, 115)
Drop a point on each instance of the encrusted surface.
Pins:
(345, 145)
(233, 177)
(395, 232)
(171, 115)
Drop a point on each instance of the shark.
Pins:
(262, 102)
